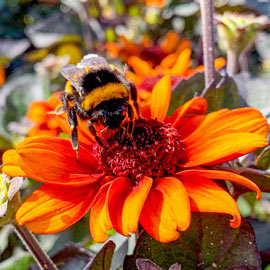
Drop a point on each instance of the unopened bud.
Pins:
(9, 198)
(237, 32)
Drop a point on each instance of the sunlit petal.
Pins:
(208, 197)
(166, 210)
(51, 209)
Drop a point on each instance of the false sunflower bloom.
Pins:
(44, 122)
(178, 66)
(156, 178)
(153, 53)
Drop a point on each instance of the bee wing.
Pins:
(69, 71)
(92, 60)
(74, 74)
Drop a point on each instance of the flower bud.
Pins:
(9, 198)
(237, 32)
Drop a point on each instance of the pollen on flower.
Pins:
(154, 149)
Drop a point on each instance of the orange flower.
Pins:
(153, 54)
(38, 112)
(155, 3)
(156, 178)
(175, 65)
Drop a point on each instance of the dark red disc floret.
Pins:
(155, 149)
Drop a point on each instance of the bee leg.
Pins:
(101, 132)
(73, 123)
(64, 100)
(94, 133)
(124, 131)
(131, 124)
(133, 92)
(64, 108)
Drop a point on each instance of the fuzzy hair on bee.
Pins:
(101, 94)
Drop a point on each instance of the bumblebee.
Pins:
(101, 94)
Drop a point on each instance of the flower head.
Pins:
(237, 32)
(178, 66)
(146, 49)
(156, 178)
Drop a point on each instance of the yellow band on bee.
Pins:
(104, 93)
(68, 88)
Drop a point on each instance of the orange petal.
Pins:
(52, 160)
(38, 111)
(100, 221)
(242, 120)
(55, 100)
(136, 79)
(161, 97)
(125, 202)
(191, 71)
(11, 165)
(140, 67)
(169, 60)
(42, 130)
(195, 106)
(169, 42)
(166, 210)
(84, 135)
(189, 124)
(184, 43)
(220, 63)
(221, 148)
(51, 209)
(182, 63)
(206, 196)
(227, 134)
(155, 3)
(2, 75)
(223, 175)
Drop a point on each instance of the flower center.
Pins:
(154, 149)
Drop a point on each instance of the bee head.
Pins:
(112, 113)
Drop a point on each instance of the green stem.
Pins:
(232, 63)
(31, 243)
(207, 10)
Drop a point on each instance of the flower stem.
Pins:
(207, 10)
(232, 63)
(31, 243)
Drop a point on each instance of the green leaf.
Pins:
(209, 243)
(103, 259)
(260, 178)
(263, 160)
(19, 264)
(225, 95)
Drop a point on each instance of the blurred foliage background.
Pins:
(39, 37)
